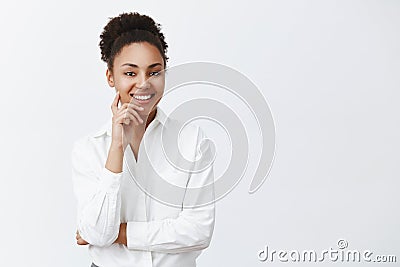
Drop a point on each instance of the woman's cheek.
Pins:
(123, 90)
(158, 84)
(125, 85)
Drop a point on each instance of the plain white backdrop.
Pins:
(329, 70)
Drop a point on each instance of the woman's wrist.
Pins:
(117, 145)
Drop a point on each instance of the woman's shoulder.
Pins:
(94, 139)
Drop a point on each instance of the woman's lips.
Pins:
(143, 99)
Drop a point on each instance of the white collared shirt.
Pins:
(157, 234)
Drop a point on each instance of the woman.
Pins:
(120, 222)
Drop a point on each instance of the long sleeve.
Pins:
(191, 230)
(98, 196)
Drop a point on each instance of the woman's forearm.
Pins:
(115, 158)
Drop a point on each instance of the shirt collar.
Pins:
(160, 117)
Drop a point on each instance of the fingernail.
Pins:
(142, 108)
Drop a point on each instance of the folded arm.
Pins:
(98, 196)
(192, 229)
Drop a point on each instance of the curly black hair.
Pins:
(130, 28)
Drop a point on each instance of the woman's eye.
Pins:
(154, 73)
(129, 73)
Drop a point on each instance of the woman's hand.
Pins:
(122, 132)
(122, 129)
(121, 239)
(79, 239)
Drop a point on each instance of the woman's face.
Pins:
(138, 73)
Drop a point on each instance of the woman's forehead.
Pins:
(139, 55)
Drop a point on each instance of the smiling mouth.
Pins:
(142, 97)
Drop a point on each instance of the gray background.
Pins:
(329, 70)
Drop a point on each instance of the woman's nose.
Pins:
(142, 82)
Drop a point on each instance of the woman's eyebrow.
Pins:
(136, 66)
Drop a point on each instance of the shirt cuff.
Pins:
(136, 235)
(109, 179)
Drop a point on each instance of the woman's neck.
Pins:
(151, 117)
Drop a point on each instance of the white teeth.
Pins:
(145, 97)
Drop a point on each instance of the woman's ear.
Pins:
(110, 78)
